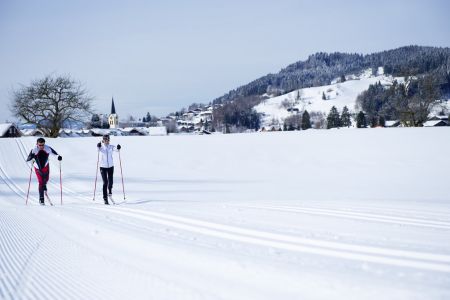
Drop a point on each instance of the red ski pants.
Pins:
(42, 176)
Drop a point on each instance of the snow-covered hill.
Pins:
(337, 94)
(280, 215)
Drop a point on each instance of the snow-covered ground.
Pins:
(317, 214)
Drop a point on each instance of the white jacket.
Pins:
(106, 155)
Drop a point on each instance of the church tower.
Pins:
(113, 119)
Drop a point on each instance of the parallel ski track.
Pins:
(356, 215)
(401, 258)
(392, 257)
(31, 264)
(424, 261)
(14, 187)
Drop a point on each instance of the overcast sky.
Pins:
(161, 56)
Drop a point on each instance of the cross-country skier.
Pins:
(40, 155)
(107, 166)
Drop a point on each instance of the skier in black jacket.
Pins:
(40, 154)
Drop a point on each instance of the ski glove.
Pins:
(99, 145)
(118, 147)
(59, 157)
(31, 156)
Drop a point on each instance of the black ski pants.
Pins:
(107, 176)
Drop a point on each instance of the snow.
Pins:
(316, 214)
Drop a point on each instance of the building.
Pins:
(435, 123)
(9, 130)
(113, 118)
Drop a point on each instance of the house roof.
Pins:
(391, 123)
(5, 127)
(434, 123)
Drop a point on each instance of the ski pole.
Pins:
(96, 173)
(60, 180)
(121, 174)
(29, 181)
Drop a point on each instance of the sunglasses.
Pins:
(41, 145)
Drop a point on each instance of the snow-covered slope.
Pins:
(317, 214)
(311, 99)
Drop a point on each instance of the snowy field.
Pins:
(317, 214)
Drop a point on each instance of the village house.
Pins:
(8, 130)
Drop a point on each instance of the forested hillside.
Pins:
(321, 68)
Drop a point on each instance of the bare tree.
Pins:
(416, 108)
(50, 102)
(171, 126)
(286, 103)
(429, 94)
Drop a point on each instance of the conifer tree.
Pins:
(361, 120)
(382, 121)
(374, 121)
(323, 96)
(333, 119)
(345, 117)
(306, 120)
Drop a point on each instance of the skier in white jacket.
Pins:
(107, 166)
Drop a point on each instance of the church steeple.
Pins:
(113, 119)
(113, 109)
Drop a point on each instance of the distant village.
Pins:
(197, 121)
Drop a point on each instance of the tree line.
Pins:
(410, 101)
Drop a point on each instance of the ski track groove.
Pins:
(357, 215)
(390, 210)
(16, 255)
(11, 184)
(14, 187)
(33, 252)
(70, 283)
(410, 259)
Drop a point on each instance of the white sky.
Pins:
(160, 56)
